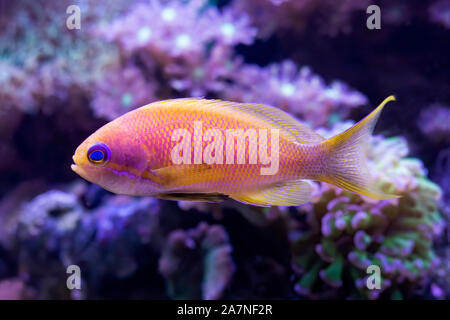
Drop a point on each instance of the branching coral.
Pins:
(45, 62)
(177, 29)
(121, 90)
(179, 263)
(195, 56)
(152, 53)
(189, 43)
(299, 92)
(347, 232)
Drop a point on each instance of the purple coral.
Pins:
(54, 230)
(55, 211)
(439, 12)
(442, 177)
(175, 29)
(158, 28)
(441, 276)
(434, 122)
(201, 75)
(297, 91)
(120, 91)
(66, 62)
(105, 240)
(193, 53)
(14, 289)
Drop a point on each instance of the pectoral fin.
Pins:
(183, 175)
(291, 193)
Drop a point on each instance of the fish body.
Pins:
(197, 149)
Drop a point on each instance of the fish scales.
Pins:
(197, 149)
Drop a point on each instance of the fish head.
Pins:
(113, 158)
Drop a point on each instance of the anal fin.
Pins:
(291, 193)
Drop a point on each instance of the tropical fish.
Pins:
(210, 150)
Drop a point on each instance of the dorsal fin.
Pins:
(273, 116)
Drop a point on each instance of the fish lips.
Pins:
(77, 169)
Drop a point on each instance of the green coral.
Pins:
(347, 232)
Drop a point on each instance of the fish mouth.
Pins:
(74, 167)
(78, 170)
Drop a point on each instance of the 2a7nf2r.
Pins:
(261, 309)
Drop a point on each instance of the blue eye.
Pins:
(99, 153)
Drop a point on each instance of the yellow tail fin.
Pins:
(346, 163)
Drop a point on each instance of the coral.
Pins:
(201, 76)
(193, 53)
(442, 177)
(440, 284)
(188, 279)
(41, 228)
(299, 92)
(345, 233)
(14, 289)
(42, 79)
(171, 36)
(329, 17)
(167, 34)
(434, 123)
(439, 12)
(122, 90)
(54, 211)
(57, 86)
(105, 241)
(56, 230)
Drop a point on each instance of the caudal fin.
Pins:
(346, 162)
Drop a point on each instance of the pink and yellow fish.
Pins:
(209, 150)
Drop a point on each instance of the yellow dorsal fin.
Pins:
(275, 117)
